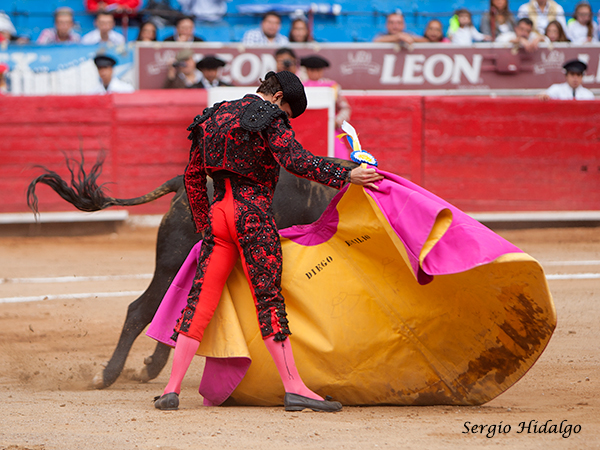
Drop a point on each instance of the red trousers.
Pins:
(240, 225)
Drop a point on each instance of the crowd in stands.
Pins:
(534, 22)
(548, 18)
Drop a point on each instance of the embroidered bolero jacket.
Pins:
(253, 138)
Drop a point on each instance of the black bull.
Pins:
(296, 201)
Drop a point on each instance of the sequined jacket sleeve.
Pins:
(195, 183)
(295, 159)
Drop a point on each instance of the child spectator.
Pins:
(555, 32)
(582, 29)
(104, 31)
(465, 33)
(147, 32)
(498, 19)
(63, 29)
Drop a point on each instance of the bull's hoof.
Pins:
(98, 381)
(144, 375)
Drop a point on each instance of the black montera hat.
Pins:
(575, 66)
(210, 62)
(293, 91)
(314, 62)
(104, 61)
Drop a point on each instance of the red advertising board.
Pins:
(421, 67)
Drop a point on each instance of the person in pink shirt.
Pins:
(315, 68)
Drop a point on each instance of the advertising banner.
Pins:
(421, 67)
(61, 68)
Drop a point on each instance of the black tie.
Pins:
(573, 94)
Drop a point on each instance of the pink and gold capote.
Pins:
(394, 296)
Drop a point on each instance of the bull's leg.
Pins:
(155, 363)
(139, 315)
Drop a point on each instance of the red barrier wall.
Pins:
(480, 154)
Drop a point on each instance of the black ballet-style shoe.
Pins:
(295, 402)
(167, 402)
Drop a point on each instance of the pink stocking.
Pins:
(282, 355)
(185, 349)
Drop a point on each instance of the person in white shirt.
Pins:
(571, 89)
(267, 33)
(104, 32)
(466, 33)
(542, 12)
(109, 84)
(523, 36)
(205, 10)
(582, 29)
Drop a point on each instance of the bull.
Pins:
(296, 201)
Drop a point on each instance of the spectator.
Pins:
(4, 69)
(555, 32)
(523, 37)
(285, 59)
(184, 31)
(299, 31)
(147, 32)
(267, 33)
(395, 26)
(541, 13)
(434, 33)
(209, 66)
(104, 31)
(498, 19)
(113, 6)
(315, 68)
(182, 73)
(8, 33)
(109, 84)
(465, 33)
(204, 10)
(571, 89)
(583, 29)
(62, 31)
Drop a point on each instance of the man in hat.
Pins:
(315, 68)
(241, 145)
(209, 66)
(109, 84)
(571, 89)
(182, 73)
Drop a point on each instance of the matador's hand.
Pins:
(365, 176)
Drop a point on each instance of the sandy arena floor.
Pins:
(50, 350)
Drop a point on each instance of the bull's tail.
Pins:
(85, 194)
